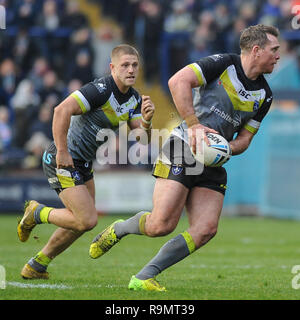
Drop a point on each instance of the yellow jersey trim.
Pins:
(198, 73)
(81, 105)
(250, 129)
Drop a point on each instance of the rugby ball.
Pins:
(216, 154)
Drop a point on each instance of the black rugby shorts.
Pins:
(181, 167)
(60, 179)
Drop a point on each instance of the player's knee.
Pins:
(88, 225)
(91, 224)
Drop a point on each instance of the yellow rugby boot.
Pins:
(29, 273)
(148, 285)
(27, 223)
(104, 241)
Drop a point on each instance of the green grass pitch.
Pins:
(249, 259)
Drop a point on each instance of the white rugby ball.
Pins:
(216, 154)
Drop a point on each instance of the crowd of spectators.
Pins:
(172, 33)
(49, 49)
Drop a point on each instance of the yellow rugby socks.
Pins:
(142, 222)
(42, 259)
(41, 214)
(189, 241)
(133, 225)
(40, 262)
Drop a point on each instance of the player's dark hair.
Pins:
(124, 49)
(256, 35)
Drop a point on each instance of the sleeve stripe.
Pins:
(198, 71)
(253, 123)
(83, 103)
(252, 126)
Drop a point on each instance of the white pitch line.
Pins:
(58, 286)
(43, 286)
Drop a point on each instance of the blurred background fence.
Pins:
(265, 179)
(50, 48)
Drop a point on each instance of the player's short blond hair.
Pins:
(124, 49)
(256, 35)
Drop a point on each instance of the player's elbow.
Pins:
(61, 112)
(173, 83)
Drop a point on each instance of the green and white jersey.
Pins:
(226, 100)
(103, 107)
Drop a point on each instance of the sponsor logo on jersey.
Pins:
(236, 121)
(244, 94)
(100, 86)
(216, 57)
(119, 109)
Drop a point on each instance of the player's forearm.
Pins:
(182, 96)
(240, 144)
(60, 127)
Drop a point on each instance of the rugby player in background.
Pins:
(67, 163)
